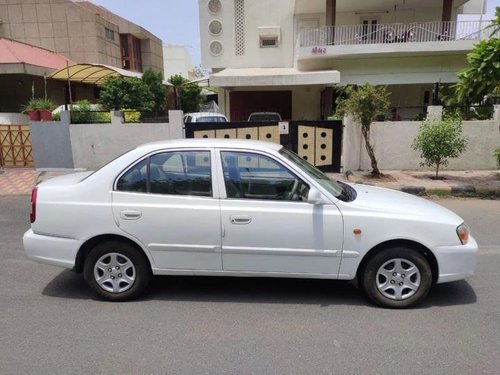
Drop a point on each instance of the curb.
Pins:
(468, 190)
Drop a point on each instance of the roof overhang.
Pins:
(93, 73)
(273, 77)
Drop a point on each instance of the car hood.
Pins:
(392, 202)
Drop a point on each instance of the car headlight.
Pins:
(463, 233)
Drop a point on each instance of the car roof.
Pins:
(211, 142)
(198, 114)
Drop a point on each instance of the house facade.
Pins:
(289, 56)
(79, 31)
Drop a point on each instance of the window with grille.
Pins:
(110, 34)
(239, 24)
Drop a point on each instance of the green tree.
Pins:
(154, 81)
(482, 76)
(439, 140)
(365, 103)
(130, 93)
(188, 97)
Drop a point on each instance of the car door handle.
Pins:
(130, 214)
(240, 219)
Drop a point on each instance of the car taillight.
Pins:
(34, 194)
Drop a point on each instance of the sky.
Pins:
(173, 21)
(176, 21)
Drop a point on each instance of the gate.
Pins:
(318, 142)
(15, 146)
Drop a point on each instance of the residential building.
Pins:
(81, 31)
(71, 32)
(289, 56)
(177, 60)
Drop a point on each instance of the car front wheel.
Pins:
(117, 271)
(397, 278)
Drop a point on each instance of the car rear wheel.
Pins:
(117, 271)
(397, 277)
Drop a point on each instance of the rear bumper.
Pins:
(51, 250)
(456, 262)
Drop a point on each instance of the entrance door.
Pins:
(166, 202)
(268, 226)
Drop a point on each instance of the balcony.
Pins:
(395, 38)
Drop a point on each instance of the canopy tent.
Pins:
(93, 73)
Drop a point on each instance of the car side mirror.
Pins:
(315, 196)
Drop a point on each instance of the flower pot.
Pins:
(34, 115)
(45, 115)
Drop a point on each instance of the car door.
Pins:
(267, 223)
(166, 201)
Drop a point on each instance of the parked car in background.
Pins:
(222, 207)
(204, 117)
(264, 116)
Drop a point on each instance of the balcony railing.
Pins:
(416, 32)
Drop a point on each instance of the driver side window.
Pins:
(254, 176)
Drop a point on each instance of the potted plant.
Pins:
(39, 109)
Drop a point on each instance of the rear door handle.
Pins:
(130, 214)
(240, 219)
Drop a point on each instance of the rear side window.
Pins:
(211, 119)
(172, 173)
(135, 179)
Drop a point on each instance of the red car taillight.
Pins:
(34, 194)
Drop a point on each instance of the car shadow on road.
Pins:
(450, 294)
(256, 290)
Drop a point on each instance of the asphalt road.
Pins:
(50, 323)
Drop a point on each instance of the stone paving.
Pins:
(20, 181)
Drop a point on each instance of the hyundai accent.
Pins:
(241, 208)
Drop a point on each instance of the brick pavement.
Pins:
(17, 181)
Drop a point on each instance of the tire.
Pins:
(397, 277)
(117, 271)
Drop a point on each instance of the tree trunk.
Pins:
(369, 149)
(437, 170)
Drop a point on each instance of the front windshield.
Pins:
(338, 190)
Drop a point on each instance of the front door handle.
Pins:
(240, 219)
(130, 214)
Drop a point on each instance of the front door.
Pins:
(268, 226)
(166, 202)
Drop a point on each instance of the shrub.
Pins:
(439, 140)
(82, 113)
(497, 155)
(129, 115)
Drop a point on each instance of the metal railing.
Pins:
(469, 113)
(415, 32)
(90, 117)
(132, 117)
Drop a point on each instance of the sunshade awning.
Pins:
(273, 77)
(93, 73)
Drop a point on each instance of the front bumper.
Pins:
(456, 262)
(51, 250)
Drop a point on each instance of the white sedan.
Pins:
(241, 208)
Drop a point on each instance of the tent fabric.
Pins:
(93, 73)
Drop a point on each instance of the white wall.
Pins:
(13, 118)
(257, 14)
(176, 60)
(392, 142)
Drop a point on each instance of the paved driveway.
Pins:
(51, 323)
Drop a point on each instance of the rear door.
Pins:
(166, 201)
